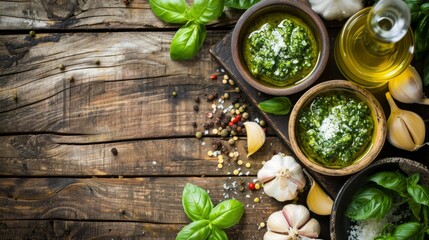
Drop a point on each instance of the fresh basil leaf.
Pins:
(217, 234)
(198, 230)
(419, 193)
(171, 11)
(426, 71)
(276, 105)
(227, 213)
(409, 231)
(415, 208)
(414, 6)
(187, 41)
(393, 180)
(413, 179)
(205, 11)
(196, 202)
(385, 238)
(240, 4)
(369, 202)
(421, 35)
(425, 8)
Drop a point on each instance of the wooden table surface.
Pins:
(102, 149)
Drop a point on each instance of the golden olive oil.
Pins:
(367, 58)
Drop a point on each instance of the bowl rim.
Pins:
(379, 122)
(379, 164)
(319, 30)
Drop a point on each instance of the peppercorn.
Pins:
(196, 108)
(251, 186)
(174, 93)
(198, 134)
(233, 133)
(97, 62)
(213, 77)
(239, 128)
(114, 151)
(231, 82)
(256, 200)
(226, 95)
(235, 100)
(212, 96)
(231, 141)
(257, 186)
(225, 77)
(245, 115)
(32, 33)
(216, 144)
(127, 2)
(224, 133)
(197, 99)
(209, 115)
(262, 123)
(237, 90)
(194, 124)
(62, 67)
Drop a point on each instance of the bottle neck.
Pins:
(387, 23)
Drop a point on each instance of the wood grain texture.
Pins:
(127, 96)
(89, 14)
(37, 155)
(144, 200)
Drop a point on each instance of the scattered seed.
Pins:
(251, 186)
(262, 224)
(256, 200)
(231, 82)
(231, 141)
(215, 131)
(114, 151)
(198, 135)
(226, 95)
(231, 154)
(240, 162)
(219, 166)
(225, 77)
(248, 165)
(257, 186)
(62, 67)
(235, 138)
(224, 133)
(97, 62)
(224, 81)
(194, 124)
(213, 76)
(237, 90)
(245, 115)
(262, 123)
(236, 172)
(174, 94)
(196, 108)
(32, 33)
(220, 161)
(210, 153)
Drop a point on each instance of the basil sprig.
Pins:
(420, 22)
(276, 105)
(208, 221)
(393, 188)
(189, 39)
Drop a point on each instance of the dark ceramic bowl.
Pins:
(378, 137)
(339, 223)
(298, 10)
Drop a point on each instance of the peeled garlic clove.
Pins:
(405, 129)
(407, 87)
(336, 9)
(277, 223)
(311, 229)
(282, 177)
(317, 200)
(296, 215)
(255, 137)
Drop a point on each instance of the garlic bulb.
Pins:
(317, 200)
(405, 129)
(255, 137)
(407, 87)
(292, 222)
(336, 9)
(282, 177)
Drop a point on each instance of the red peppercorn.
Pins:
(213, 77)
(251, 186)
(230, 124)
(265, 130)
(237, 117)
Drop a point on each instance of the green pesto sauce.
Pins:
(335, 129)
(280, 49)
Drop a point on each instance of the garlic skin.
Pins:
(292, 223)
(407, 87)
(282, 177)
(336, 9)
(255, 137)
(405, 129)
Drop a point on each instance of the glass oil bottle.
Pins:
(376, 44)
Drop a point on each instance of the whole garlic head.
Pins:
(293, 222)
(336, 9)
(282, 177)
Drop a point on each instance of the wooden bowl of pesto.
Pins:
(280, 47)
(337, 128)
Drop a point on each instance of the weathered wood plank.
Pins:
(127, 96)
(89, 14)
(60, 229)
(37, 155)
(155, 200)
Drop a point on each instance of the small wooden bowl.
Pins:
(379, 132)
(298, 10)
